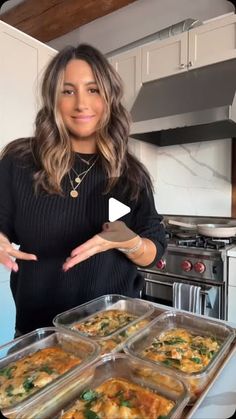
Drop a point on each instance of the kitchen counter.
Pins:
(220, 401)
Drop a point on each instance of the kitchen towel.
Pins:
(187, 297)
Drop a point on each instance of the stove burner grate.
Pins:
(204, 242)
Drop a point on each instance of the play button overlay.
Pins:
(116, 209)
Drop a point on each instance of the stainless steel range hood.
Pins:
(193, 106)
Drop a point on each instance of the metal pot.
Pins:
(209, 230)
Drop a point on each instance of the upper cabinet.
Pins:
(164, 58)
(203, 45)
(23, 60)
(128, 65)
(209, 43)
(213, 42)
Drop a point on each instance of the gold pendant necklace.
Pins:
(74, 193)
(78, 175)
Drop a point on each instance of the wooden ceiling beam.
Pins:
(49, 19)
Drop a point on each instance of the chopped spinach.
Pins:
(125, 403)
(28, 384)
(210, 354)
(104, 324)
(90, 414)
(8, 371)
(9, 390)
(89, 395)
(171, 362)
(123, 334)
(200, 348)
(196, 360)
(47, 369)
(174, 341)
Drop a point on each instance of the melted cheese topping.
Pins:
(119, 398)
(109, 345)
(25, 376)
(180, 349)
(104, 323)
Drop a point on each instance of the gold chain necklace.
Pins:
(74, 193)
(86, 161)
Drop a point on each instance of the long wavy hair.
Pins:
(51, 146)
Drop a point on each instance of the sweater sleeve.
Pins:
(6, 199)
(148, 223)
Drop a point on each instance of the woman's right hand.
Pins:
(8, 254)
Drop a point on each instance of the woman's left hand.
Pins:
(113, 236)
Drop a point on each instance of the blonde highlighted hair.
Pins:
(51, 146)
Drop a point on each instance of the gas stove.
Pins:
(194, 260)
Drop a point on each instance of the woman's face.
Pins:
(80, 104)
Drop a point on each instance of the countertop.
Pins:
(220, 401)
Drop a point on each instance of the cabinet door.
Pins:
(164, 58)
(212, 42)
(128, 65)
(45, 54)
(18, 70)
(22, 59)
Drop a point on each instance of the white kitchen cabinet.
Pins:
(128, 65)
(207, 44)
(22, 61)
(164, 58)
(212, 42)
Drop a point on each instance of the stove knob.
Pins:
(161, 264)
(186, 266)
(199, 267)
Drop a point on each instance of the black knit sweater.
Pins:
(50, 226)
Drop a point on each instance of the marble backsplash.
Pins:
(189, 179)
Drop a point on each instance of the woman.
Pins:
(55, 189)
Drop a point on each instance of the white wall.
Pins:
(190, 179)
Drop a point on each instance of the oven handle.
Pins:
(169, 284)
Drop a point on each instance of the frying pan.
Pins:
(209, 230)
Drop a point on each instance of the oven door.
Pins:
(159, 289)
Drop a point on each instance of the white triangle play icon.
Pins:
(117, 209)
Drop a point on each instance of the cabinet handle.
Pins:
(182, 66)
(190, 64)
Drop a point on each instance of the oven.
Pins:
(160, 290)
(205, 268)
